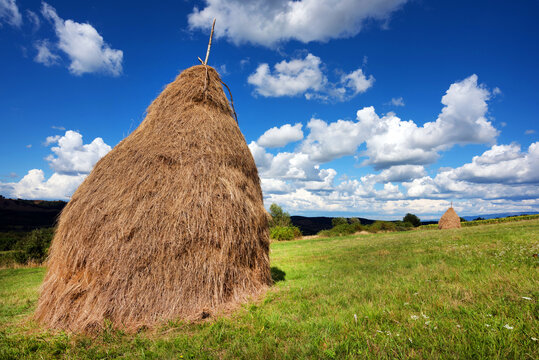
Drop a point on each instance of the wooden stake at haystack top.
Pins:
(169, 225)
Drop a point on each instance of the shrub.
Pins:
(382, 226)
(412, 219)
(338, 221)
(341, 229)
(284, 232)
(35, 246)
(9, 258)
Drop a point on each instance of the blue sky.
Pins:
(367, 108)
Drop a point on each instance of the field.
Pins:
(466, 293)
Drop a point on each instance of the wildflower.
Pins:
(355, 318)
(458, 326)
(414, 317)
(415, 294)
(424, 316)
(427, 323)
(508, 327)
(487, 325)
(526, 298)
(534, 339)
(410, 339)
(406, 303)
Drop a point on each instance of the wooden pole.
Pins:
(209, 44)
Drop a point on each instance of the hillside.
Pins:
(23, 215)
(465, 293)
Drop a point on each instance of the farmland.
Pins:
(467, 293)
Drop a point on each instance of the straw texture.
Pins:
(449, 220)
(169, 225)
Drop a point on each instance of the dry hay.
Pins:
(169, 225)
(449, 220)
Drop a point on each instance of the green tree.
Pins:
(412, 219)
(339, 221)
(278, 216)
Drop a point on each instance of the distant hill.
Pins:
(500, 215)
(312, 225)
(24, 215)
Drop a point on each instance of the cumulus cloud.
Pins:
(290, 78)
(71, 162)
(51, 140)
(306, 77)
(271, 22)
(505, 164)
(503, 178)
(72, 157)
(83, 45)
(44, 54)
(279, 137)
(9, 13)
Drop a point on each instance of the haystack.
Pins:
(449, 220)
(169, 225)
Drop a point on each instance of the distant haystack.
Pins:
(169, 225)
(449, 220)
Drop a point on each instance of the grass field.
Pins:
(466, 293)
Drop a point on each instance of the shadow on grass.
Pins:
(277, 274)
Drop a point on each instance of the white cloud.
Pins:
(357, 81)
(72, 162)
(51, 140)
(401, 173)
(34, 19)
(84, 46)
(504, 164)
(271, 22)
(9, 13)
(34, 186)
(392, 141)
(279, 137)
(44, 53)
(307, 77)
(396, 101)
(290, 78)
(529, 132)
(71, 156)
(503, 178)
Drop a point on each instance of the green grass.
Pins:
(417, 294)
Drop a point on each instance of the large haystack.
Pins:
(449, 220)
(169, 225)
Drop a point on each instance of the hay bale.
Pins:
(169, 225)
(449, 220)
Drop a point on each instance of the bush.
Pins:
(381, 226)
(338, 221)
(342, 229)
(35, 246)
(284, 232)
(10, 258)
(412, 219)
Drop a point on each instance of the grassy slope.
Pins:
(418, 294)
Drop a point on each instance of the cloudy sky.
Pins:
(367, 108)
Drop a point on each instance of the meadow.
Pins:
(422, 294)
